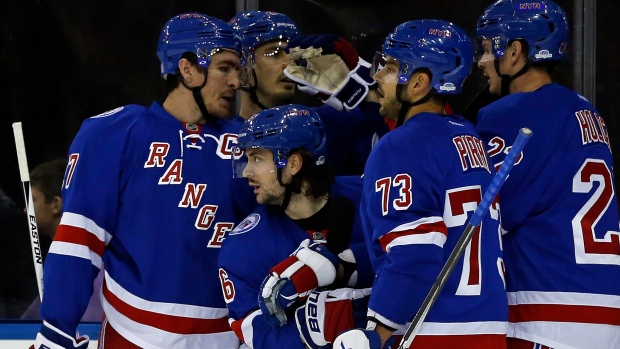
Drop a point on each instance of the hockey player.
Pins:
(351, 119)
(306, 234)
(148, 194)
(421, 182)
(559, 208)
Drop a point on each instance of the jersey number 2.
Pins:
(588, 248)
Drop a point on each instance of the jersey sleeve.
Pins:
(241, 274)
(403, 200)
(247, 320)
(90, 201)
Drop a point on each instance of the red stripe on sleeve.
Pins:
(439, 227)
(80, 236)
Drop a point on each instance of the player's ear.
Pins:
(419, 81)
(186, 69)
(295, 162)
(56, 205)
(516, 49)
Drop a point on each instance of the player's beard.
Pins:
(271, 193)
(390, 108)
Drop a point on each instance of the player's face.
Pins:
(262, 176)
(387, 79)
(222, 80)
(487, 64)
(273, 88)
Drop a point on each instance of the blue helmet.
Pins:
(257, 27)
(540, 23)
(439, 46)
(197, 33)
(282, 129)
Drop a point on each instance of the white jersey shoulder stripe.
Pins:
(413, 225)
(75, 250)
(80, 221)
(434, 238)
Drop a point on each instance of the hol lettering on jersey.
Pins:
(592, 127)
(472, 152)
(194, 192)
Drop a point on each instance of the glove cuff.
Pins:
(303, 329)
(53, 338)
(351, 94)
(356, 89)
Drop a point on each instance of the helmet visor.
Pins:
(489, 48)
(270, 53)
(388, 69)
(254, 162)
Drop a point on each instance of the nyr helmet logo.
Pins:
(530, 6)
(543, 54)
(247, 224)
(439, 32)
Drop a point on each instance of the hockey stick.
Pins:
(37, 256)
(479, 213)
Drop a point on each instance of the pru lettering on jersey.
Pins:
(471, 151)
(592, 127)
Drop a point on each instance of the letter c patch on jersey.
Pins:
(247, 224)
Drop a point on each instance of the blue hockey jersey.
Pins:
(261, 241)
(560, 216)
(422, 182)
(150, 199)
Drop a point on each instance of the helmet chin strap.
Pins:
(198, 97)
(253, 95)
(405, 106)
(507, 79)
(288, 191)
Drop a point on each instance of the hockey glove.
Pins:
(309, 267)
(328, 313)
(52, 338)
(359, 339)
(334, 71)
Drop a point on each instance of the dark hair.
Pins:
(171, 82)
(442, 99)
(48, 178)
(319, 177)
(551, 67)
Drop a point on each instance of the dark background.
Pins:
(63, 61)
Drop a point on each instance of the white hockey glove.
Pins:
(328, 313)
(359, 339)
(52, 338)
(334, 71)
(309, 267)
